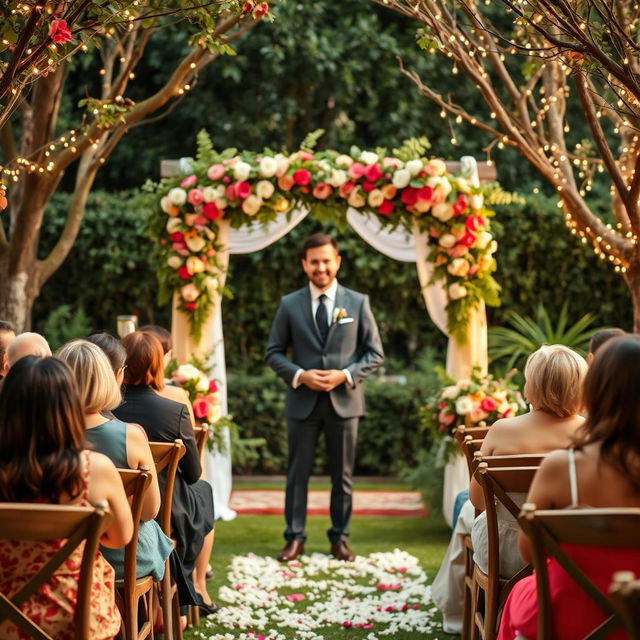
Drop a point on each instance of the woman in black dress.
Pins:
(164, 420)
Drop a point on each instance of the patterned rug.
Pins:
(403, 504)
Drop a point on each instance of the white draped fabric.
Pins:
(398, 244)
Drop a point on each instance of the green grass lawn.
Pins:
(424, 538)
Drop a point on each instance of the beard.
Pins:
(322, 279)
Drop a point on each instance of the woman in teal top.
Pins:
(126, 445)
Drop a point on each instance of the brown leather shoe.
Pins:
(341, 551)
(291, 551)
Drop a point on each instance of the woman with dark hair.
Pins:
(603, 472)
(164, 421)
(43, 459)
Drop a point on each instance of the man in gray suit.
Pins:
(334, 345)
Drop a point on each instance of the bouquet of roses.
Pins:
(203, 392)
(479, 399)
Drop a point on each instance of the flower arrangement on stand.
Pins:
(402, 187)
(479, 399)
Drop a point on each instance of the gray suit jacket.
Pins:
(354, 346)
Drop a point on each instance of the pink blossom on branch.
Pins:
(59, 32)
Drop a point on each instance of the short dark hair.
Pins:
(161, 333)
(112, 348)
(144, 360)
(318, 240)
(600, 337)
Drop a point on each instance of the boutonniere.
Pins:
(339, 313)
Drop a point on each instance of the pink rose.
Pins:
(230, 192)
(373, 173)
(195, 197)
(213, 387)
(409, 195)
(210, 210)
(302, 177)
(305, 155)
(322, 191)
(189, 181)
(295, 597)
(386, 208)
(59, 32)
(357, 170)
(458, 251)
(346, 189)
(478, 414)
(216, 171)
(200, 407)
(488, 404)
(446, 418)
(243, 190)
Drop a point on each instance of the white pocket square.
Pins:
(345, 320)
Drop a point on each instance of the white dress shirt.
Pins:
(329, 303)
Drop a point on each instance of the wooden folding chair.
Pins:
(548, 529)
(43, 522)
(166, 456)
(496, 483)
(522, 460)
(130, 589)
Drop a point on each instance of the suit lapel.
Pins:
(340, 296)
(306, 312)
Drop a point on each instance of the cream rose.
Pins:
(195, 244)
(175, 262)
(437, 166)
(457, 291)
(355, 199)
(477, 201)
(177, 196)
(483, 239)
(463, 185)
(441, 184)
(458, 267)
(212, 281)
(414, 167)
(268, 167)
(464, 405)
(344, 161)
(165, 205)
(283, 165)
(221, 203)
(443, 211)
(450, 392)
(186, 372)
(401, 178)
(215, 413)
(194, 265)
(203, 383)
(264, 189)
(252, 205)
(368, 158)
(209, 194)
(447, 240)
(173, 224)
(375, 198)
(337, 178)
(241, 171)
(422, 206)
(189, 292)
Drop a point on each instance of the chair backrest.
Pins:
(166, 455)
(625, 595)
(547, 530)
(45, 522)
(524, 460)
(201, 433)
(135, 482)
(477, 433)
(469, 448)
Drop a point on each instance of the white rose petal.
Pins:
(177, 196)
(447, 240)
(443, 211)
(264, 189)
(450, 392)
(483, 239)
(401, 178)
(414, 167)
(477, 201)
(194, 265)
(438, 166)
(368, 157)
(493, 247)
(190, 292)
(209, 194)
(203, 383)
(252, 205)
(187, 372)
(165, 204)
(283, 165)
(173, 224)
(215, 413)
(457, 291)
(458, 267)
(463, 185)
(195, 244)
(268, 167)
(464, 405)
(344, 161)
(175, 262)
(241, 171)
(338, 178)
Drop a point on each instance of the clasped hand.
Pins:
(322, 379)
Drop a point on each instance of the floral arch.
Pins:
(410, 207)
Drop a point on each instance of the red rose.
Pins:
(346, 189)
(243, 190)
(210, 210)
(368, 186)
(183, 272)
(247, 6)
(460, 205)
(386, 208)
(425, 193)
(302, 177)
(190, 305)
(488, 404)
(467, 239)
(200, 407)
(474, 222)
(177, 236)
(213, 387)
(58, 31)
(373, 173)
(409, 195)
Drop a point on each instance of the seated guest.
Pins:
(164, 421)
(553, 388)
(26, 344)
(603, 472)
(113, 349)
(7, 334)
(169, 390)
(125, 444)
(43, 459)
(553, 377)
(599, 339)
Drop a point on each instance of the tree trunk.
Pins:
(632, 278)
(18, 292)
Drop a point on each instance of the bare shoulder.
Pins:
(101, 465)
(554, 463)
(136, 433)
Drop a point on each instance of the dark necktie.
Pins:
(321, 318)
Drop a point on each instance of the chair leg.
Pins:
(474, 631)
(175, 611)
(166, 605)
(490, 615)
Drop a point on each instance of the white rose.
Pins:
(414, 167)
(190, 292)
(264, 189)
(464, 405)
(186, 372)
(393, 163)
(458, 267)
(447, 240)
(401, 178)
(368, 158)
(375, 198)
(209, 194)
(438, 167)
(493, 247)
(173, 224)
(268, 167)
(220, 191)
(177, 196)
(338, 178)
(175, 262)
(324, 165)
(212, 281)
(443, 211)
(483, 239)
(195, 244)
(215, 413)
(252, 205)
(477, 201)
(457, 291)
(194, 265)
(463, 185)
(165, 204)
(241, 171)
(283, 165)
(221, 203)
(203, 383)
(344, 161)
(442, 184)
(450, 392)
